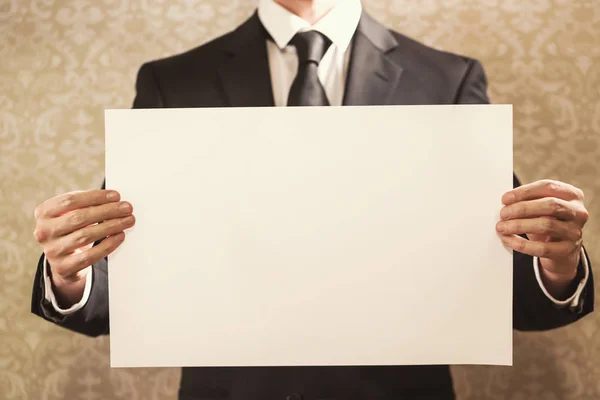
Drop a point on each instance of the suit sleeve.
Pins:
(93, 318)
(532, 309)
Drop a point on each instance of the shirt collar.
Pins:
(339, 24)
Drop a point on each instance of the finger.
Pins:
(78, 219)
(558, 230)
(66, 245)
(541, 189)
(75, 262)
(540, 249)
(67, 202)
(546, 207)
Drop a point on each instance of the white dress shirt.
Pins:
(339, 25)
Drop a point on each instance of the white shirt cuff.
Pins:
(49, 294)
(575, 299)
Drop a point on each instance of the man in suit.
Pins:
(314, 52)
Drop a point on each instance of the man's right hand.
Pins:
(67, 227)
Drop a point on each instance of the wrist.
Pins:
(69, 291)
(558, 284)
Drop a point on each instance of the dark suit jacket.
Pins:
(385, 68)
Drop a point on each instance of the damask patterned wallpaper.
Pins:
(62, 62)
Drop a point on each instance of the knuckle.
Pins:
(522, 209)
(106, 227)
(51, 232)
(548, 226)
(40, 235)
(57, 267)
(62, 249)
(67, 201)
(76, 218)
(113, 211)
(545, 252)
(556, 206)
(551, 185)
(51, 251)
(515, 227)
(64, 268)
(82, 238)
(585, 215)
(84, 259)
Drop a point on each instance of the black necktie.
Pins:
(307, 89)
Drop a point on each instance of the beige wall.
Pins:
(62, 62)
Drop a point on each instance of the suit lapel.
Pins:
(372, 76)
(245, 76)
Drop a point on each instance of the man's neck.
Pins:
(309, 10)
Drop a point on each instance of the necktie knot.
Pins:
(311, 46)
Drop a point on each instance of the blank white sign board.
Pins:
(311, 236)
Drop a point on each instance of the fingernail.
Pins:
(500, 227)
(112, 196)
(125, 206)
(129, 220)
(508, 198)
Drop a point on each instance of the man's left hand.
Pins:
(552, 215)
